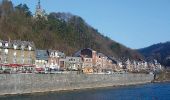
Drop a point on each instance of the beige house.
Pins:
(73, 63)
(16, 53)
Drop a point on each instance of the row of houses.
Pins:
(85, 60)
(137, 66)
(22, 56)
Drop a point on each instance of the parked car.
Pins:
(40, 70)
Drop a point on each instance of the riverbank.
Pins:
(163, 77)
(38, 83)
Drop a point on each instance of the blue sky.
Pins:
(134, 23)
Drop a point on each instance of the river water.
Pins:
(152, 91)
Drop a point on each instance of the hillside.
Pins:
(160, 51)
(62, 31)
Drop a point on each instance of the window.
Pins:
(15, 54)
(23, 60)
(56, 54)
(0, 44)
(52, 54)
(22, 57)
(22, 47)
(14, 58)
(29, 48)
(6, 44)
(5, 59)
(29, 59)
(6, 51)
(15, 46)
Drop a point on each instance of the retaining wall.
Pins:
(30, 83)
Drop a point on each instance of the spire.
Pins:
(39, 4)
(38, 9)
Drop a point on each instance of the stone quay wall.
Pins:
(31, 83)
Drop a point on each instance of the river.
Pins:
(151, 91)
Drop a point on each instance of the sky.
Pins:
(134, 23)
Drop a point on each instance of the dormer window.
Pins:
(22, 47)
(56, 54)
(52, 54)
(15, 46)
(0, 44)
(29, 48)
(6, 44)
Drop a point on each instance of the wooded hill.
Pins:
(160, 52)
(62, 31)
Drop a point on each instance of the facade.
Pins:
(48, 60)
(140, 66)
(88, 58)
(129, 65)
(17, 54)
(41, 60)
(54, 59)
(94, 62)
(103, 63)
(155, 66)
(21, 56)
(87, 66)
(73, 63)
(62, 64)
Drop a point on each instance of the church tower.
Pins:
(39, 11)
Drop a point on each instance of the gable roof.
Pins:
(18, 43)
(78, 53)
(42, 55)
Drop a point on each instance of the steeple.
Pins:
(39, 4)
(39, 11)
